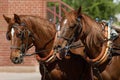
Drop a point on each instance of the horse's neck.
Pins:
(41, 38)
(43, 34)
(93, 40)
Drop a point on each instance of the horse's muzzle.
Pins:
(17, 60)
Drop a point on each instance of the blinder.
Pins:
(78, 29)
(22, 32)
(8, 36)
(21, 35)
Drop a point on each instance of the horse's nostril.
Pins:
(16, 60)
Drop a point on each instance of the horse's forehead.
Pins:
(69, 18)
(65, 21)
(12, 31)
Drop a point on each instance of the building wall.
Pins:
(9, 7)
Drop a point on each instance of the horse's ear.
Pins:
(64, 11)
(79, 10)
(17, 18)
(79, 14)
(7, 19)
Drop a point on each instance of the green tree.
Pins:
(102, 9)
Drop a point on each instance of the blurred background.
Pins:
(102, 9)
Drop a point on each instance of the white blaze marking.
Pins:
(65, 21)
(58, 28)
(12, 32)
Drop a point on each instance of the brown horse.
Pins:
(26, 30)
(78, 26)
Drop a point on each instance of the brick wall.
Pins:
(5, 54)
(9, 7)
(3, 10)
(27, 7)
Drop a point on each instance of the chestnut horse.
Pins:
(24, 30)
(96, 44)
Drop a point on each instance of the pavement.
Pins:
(20, 76)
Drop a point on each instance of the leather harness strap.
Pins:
(47, 58)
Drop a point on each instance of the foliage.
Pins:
(102, 9)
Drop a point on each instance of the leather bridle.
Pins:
(23, 47)
(74, 36)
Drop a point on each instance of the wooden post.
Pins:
(60, 14)
(54, 8)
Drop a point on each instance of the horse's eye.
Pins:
(19, 35)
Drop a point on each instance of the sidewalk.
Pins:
(20, 76)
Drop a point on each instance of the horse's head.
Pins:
(78, 26)
(70, 28)
(19, 36)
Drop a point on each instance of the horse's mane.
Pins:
(116, 28)
(41, 23)
(93, 32)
